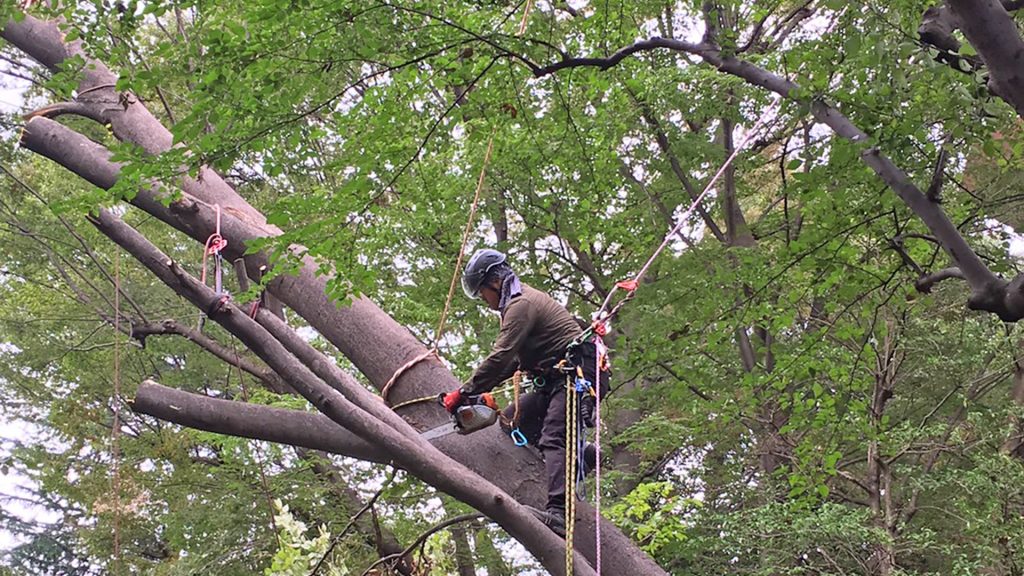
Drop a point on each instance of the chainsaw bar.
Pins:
(440, 431)
(467, 418)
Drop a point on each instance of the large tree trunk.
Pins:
(372, 340)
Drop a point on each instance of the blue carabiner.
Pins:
(517, 438)
(582, 385)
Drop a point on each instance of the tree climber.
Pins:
(536, 334)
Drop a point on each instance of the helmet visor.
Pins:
(471, 286)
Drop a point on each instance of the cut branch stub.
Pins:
(1002, 298)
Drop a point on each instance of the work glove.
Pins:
(452, 400)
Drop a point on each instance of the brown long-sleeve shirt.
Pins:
(535, 331)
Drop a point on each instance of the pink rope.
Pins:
(634, 284)
(600, 327)
(598, 345)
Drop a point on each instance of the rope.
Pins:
(633, 284)
(465, 240)
(518, 438)
(115, 432)
(434, 351)
(570, 470)
(598, 344)
(260, 467)
(401, 370)
(214, 244)
(517, 380)
(499, 389)
(526, 15)
(598, 328)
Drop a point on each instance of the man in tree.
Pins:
(536, 334)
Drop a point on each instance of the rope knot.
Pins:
(627, 285)
(215, 243)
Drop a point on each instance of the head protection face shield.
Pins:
(477, 269)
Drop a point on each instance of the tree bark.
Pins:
(281, 425)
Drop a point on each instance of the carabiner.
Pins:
(517, 438)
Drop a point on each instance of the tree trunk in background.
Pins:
(463, 554)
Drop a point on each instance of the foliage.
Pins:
(299, 554)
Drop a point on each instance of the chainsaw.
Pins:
(475, 413)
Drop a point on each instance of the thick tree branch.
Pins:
(280, 425)
(994, 34)
(927, 282)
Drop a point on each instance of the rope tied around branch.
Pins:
(439, 333)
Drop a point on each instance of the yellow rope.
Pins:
(517, 380)
(455, 278)
(465, 239)
(570, 471)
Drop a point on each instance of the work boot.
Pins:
(553, 518)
